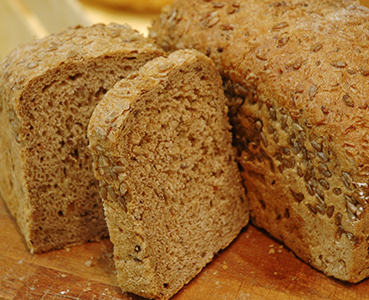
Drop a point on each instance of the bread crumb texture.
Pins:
(171, 188)
(48, 90)
(296, 78)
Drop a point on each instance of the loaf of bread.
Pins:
(171, 187)
(48, 90)
(296, 76)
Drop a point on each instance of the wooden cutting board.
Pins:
(254, 266)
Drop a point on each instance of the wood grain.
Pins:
(254, 266)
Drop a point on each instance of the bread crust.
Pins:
(171, 188)
(48, 90)
(296, 74)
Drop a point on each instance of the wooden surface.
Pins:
(255, 266)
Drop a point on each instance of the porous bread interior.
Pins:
(186, 200)
(63, 204)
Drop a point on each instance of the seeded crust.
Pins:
(296, 76)
(48, 91)
(172, 191)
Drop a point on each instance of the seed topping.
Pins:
(280, 25)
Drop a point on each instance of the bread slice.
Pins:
(296, 74)
(172, 191)
(48, 91)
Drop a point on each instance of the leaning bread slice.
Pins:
(172, 191)
(48, 90)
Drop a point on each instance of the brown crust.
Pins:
(307, 61)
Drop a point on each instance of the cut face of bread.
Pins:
(172, 191)
(296, 74)
(49, 90)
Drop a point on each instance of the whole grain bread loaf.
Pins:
(171, 188)
(296, 76)
(48, 90)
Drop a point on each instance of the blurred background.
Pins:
(24, 20)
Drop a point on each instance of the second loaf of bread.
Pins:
(296, 74)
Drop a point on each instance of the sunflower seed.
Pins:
(213, 21)
(339, 64)
(316, 146)
(324, 171)
(337, 191)
(351, 215)
(346, 179)
(313, 182)
(119, 169)
(298, 196)
(297, 127)
(112, 193)
(122, 203)
(338, 219)
(324, 184)
(311, 208)
(280, 25)
(321, 200)
(319, 193)
(320, 209)
(330, 211)
(258, 126)
(351, 207)
(322, 156)
(32, 65)
(103, 193)
(310, 190)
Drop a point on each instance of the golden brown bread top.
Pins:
(310, 57)
(28, 62)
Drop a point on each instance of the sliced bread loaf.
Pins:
(48, 90)
(297, 79)
(171, 189)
